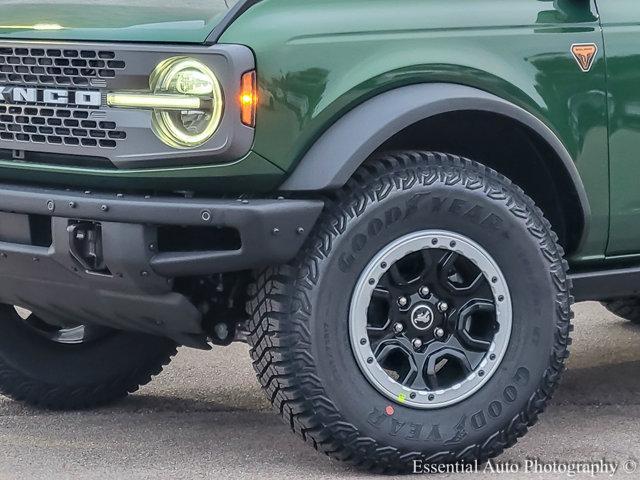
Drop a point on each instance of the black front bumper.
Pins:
(134, 291)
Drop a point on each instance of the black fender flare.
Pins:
(337, 154)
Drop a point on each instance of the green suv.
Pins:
(394, 203)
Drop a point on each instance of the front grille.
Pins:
(57, 66)
(50, 124)
(70, 127)
(57, 126)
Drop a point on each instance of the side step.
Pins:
(606, 284)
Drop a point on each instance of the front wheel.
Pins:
(426, 321)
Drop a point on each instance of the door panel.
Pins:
(621, 26)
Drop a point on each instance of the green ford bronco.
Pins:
(394, 203)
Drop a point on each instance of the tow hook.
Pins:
(85, 245)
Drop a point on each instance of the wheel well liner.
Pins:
(337, 154)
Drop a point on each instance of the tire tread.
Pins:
(279, 308)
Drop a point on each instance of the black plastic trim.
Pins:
(337, 154)
(134, 290)
(606, 284)
(271, 230)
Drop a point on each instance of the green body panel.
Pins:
(621, 25)
(318, 59)
(121, 21)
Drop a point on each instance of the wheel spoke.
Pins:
(379, 336)
(377, 333)
(431, 258)
(454, 279)
(432, 377)
(473, 358)
(396, 276)
(417, 380)
(447, 263)
(381, 292)
(482, 292)
(383, 338)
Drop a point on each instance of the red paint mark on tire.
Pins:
(389, 410)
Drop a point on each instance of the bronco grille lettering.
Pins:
(57, 96)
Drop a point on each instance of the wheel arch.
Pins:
(348, 143)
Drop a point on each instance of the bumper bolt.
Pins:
(51, 206)
(417, 343)
(398, 327)
(443, 306)
(403, 301)
(438, 332)
(205, 215)
(424, 292)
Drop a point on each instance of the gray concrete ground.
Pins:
(205, 417)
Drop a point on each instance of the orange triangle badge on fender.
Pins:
(585, 54)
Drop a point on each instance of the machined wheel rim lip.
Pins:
(71, 335)
(377, 267)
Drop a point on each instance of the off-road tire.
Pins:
(46, 374)
(627, 308)
(299, 315)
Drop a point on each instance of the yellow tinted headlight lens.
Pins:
(186, 128)
(193, 82)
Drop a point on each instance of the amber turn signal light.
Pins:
(249, 98)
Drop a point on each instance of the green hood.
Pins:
(188, 21)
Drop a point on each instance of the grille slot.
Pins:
(48, 158)
(57, 66)
(57, 126)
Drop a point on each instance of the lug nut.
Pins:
(398, 327)
(403, 301)
(438, 332)
(417, 343)
(424, 292)
(443, 306)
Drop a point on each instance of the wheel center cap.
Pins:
(422, 317)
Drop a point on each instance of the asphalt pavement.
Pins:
(205, 417)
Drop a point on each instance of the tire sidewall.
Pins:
(509, 230)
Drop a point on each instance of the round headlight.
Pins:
(186, 128)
